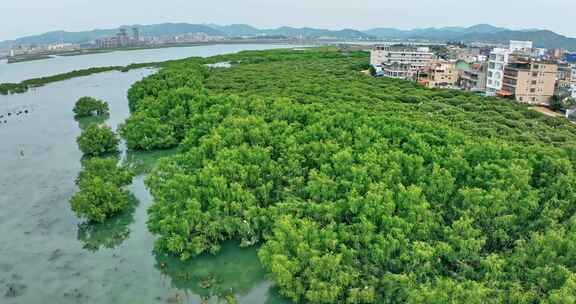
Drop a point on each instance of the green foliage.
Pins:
(160, 106)
(89, 106)
(97, 140)
(106, 169)
(98, 199)
(365, 190)
(101, 194)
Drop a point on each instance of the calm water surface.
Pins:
(47, 255)
(17, 72)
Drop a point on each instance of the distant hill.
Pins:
(163, 29)
(237, 30)
(541, 38)
(166, 29)
(307, 32)
(443, 33)
(476, 33)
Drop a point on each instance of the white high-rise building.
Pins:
(495, 72)
(520, 46)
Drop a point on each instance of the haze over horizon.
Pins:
(80, 15)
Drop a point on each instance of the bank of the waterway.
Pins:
(47, 255)
(14, 73)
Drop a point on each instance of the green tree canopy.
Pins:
(98, 200)
(97, 140)
(89, 106)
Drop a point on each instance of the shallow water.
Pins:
(47, 255)
(17, 72)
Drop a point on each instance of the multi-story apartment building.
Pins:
(474, 78)
(495, 74)
(565, 76)
(395, 70)
(529, 81)
(415, 57)
(441, 74)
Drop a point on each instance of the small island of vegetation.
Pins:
(97, 140)
(89, 107)
(101, 193)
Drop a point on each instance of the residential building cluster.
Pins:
(518, 71)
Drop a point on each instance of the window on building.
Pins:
(532, 90)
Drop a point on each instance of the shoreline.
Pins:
(83, 52)
(23, 86)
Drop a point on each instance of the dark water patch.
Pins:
(14, 290)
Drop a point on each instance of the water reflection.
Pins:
(86, 121)
(110, 234)
(232, 273)
(142, 162)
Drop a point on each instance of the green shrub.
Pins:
(106, 169)
(89, 106)
(143, 132)
(97, 140)
(98, 199)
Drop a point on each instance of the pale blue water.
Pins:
(47, 255)
(17, 72)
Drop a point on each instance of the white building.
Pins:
(520, 46)
(495, 73)
(416, 58)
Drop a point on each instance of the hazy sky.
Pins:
(27, 17)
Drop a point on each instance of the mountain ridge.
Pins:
(476, 33)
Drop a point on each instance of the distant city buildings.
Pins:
(521, 46)
(35, 49)
(121, 40)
